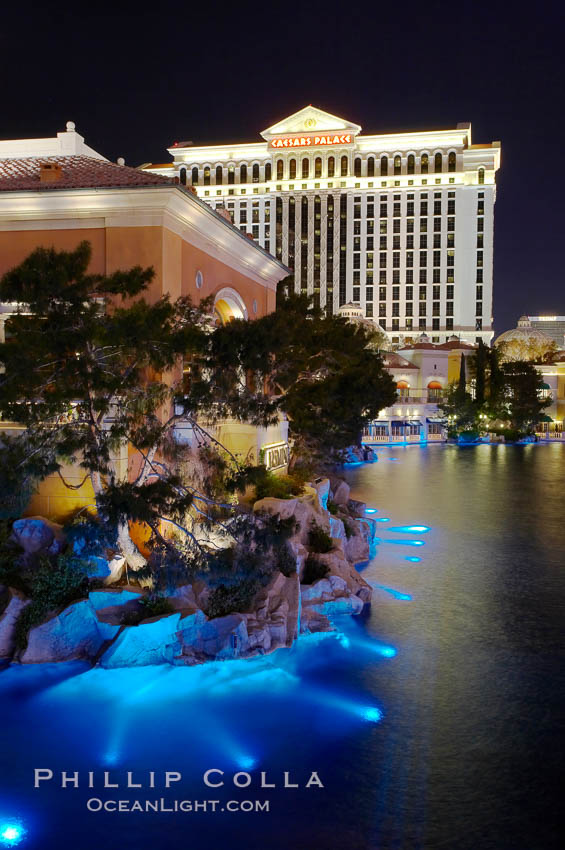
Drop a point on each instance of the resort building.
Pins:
(399, 223)
(422, 372)
(552, 326)
(58, 192)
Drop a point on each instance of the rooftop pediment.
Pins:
(310, 119)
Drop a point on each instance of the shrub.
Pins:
(314, 570)
(51, 586)
(319, 540)
(332, 507)
(156, 605)
(348, 529)
(278, 486)
(511, 435)
(88, 536)
(227, 599)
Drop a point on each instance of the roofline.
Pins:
(186, 193)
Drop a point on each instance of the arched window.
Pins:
(434, 390)
(384, 166)
(219, 175)
(292, 169)
(256, 172)
(331, 166)
(279, 169)
(267, 171)
(402, 388)
(243, 173)
(344, 166)
(397, 162)
(371, 166)
(410, 162)
(438, 163)
(451, 162)
(195, 176)
(481, 175)
(424, 163)
(231, 174)
(357, 166)
(207, 176)
(305, 168)
(182, 176)
(318, 166)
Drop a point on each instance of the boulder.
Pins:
(113, 597)
(341, 491)
(277, 606)
(356, 508)
(71, 634)
(357, 548)
(224, 637)
(337, 529)
(116, 567)
(16, 604)
(283, 507)
(153, 641)
(38, 535)
(183, 597)
(313, 621)
(339, 566)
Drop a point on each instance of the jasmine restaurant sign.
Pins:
(275, 455)
(312, 140)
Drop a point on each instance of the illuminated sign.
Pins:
(275, 455)
(312, 140)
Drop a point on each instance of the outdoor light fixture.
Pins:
(11, 834)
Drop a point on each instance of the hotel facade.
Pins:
(400, 224)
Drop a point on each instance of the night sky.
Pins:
(135, 83)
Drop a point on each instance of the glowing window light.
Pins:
(11, 833)
(411, 529)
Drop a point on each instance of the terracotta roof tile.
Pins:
(77, 172)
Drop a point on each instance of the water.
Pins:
(433, 722)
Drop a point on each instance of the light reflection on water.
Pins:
(427, 721)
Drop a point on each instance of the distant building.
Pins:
(525, 342)
(553, 326)
(422, 372)
(399, 223)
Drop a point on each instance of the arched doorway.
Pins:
(229, 305)
(434, 391)
(402, 388)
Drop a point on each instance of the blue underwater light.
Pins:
(247, 762)
(11, 833)
(411, 529)
(370, 510)
(372, 714)
(413, 558)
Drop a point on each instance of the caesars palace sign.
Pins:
(311, 140)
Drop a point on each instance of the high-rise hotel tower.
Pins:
(401, 223)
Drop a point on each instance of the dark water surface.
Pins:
(469, 749)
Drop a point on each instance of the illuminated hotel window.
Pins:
(344, 166)
(410, 164)
(305, 168)
(480, 224)
(424, 163)
(449, 324)
(481, 175)
(278, 229)
(384, 166)
(291, 231)
(331, 166)
(369, 311)
(330, 253)
(256, 173)
(207, 176)
(195, 176)
(397, 165)
(231, 174)
(438, 163)
(219, 175)
(267, 171)
(357, 167)
(371, 166)
(292, 169)
(451, 162)
(243, 173)
(342, 249)
(182, 176)
(279, 169)
(304, 243)
(318, 166)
